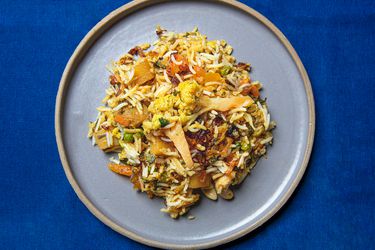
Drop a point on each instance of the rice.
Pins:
(163, 89)
(188, 76)
(169, 126)
(208, 56)
(98, 122)
(156, 120)
(121, 105)
(109, 138)
(130, 75)
(216, 132)
(242, 159)
(114, 160)
(212, 66)
(212, 83)
(166, 76)
(144, 171)
(169, 53)
(174, 60)
(267, 140)
(103, 109)
(152, 169)
(242, 127)
(179, 77)
(208, 93)
(192, 70)
(221, 166)
(211, 170)
(200, 147)
(165, 139)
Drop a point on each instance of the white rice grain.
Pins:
(166, 76)
(211, 170)
(239, 109)
(144, 171)
(249, 119)
(267, 140)
(216, 132)
(169, 126)
(107, 136)
(214, 66)
(208, 93)
(152, 169)
(165, 139)
(98, 121)
(208, 56)
(192, 70)
(114, 160)
(179, 77)
(242, 159)
(175, 61)
(169, 53)
(130, 74)
(242, 127)
(121, 105)
(188, 76)
(103, 109)
(221, 166)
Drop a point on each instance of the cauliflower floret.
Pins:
(147, 126)
(162, 104)
(156, 121)
(184, 118)
(189, 90)
(187, 99)
(116, 133)
(154, 124)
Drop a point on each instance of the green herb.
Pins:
(164, 177)
(159, 64)
(140, 134)
(245, 147)
(225, 70)
(263, 101)
(150, 158)
(163, 122)
(213, 159)
(128, 137)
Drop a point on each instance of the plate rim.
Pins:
(75, 59)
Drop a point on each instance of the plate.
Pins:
(111, 198)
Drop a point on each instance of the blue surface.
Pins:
(334, 206)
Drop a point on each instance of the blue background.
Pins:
(332, 208)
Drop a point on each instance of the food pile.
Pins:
(182, 116)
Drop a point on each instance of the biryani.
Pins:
(183, 118)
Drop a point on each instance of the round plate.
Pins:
(111, 198)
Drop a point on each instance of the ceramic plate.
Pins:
(111, 198)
